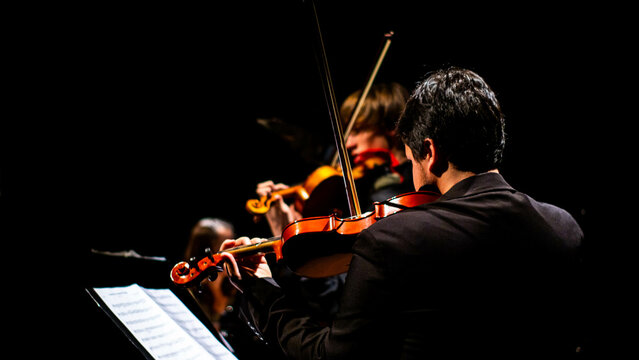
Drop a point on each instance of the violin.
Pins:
(324, 179)
(313, 247)
(323, 190)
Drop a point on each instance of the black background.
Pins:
(130, 124)
(156, 111)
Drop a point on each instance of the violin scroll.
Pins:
(193, 272)
(261, 206)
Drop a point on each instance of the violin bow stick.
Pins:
(367, 88)
(329, 95)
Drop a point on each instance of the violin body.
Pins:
(321, 246)
(313, 247)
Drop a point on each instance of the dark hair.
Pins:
(460, 112)
(207, 233)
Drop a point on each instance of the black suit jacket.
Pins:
(483, 270)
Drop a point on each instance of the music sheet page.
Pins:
(162, 323)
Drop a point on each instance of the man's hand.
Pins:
(251, 266)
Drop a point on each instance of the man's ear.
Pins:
(434, 159)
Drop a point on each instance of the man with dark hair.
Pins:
(484, 270)
(457, 110)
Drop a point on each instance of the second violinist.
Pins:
(374, 149)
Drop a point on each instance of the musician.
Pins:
(373, 141)
(484, 270)
(217, 298)
(372, 136)
(214, 296)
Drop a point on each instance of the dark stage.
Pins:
(148, 119)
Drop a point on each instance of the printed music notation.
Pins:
(162, 324)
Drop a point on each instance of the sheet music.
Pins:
(189, 322)
(162, 323)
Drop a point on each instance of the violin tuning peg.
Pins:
(193, 262)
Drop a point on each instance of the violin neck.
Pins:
(271, 245)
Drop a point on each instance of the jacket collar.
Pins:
(476, 184)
